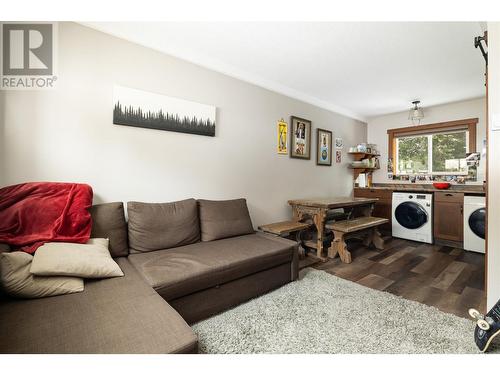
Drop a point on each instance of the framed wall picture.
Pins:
(324, 147)
(338, 156)
(282, 137)
(339, 143)
(143, 109)
(300, 135)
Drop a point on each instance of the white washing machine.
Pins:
(474, 223)
(412, 216)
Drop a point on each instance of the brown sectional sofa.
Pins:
(178, 268)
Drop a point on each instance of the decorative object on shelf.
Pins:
(369, 179)
(458, 179)
(300, 145)
(416, 113)
(324, 147)
(390, 168)
(282, 137)
(373, 148)
(144, 109)
(339, 143)
(472, 159)
(360, 181)
(365, 163)
(361, 147)
(338, 156)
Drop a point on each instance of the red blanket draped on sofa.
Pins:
(37, 212)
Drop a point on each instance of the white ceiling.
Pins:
(360, 69)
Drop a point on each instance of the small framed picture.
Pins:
(339, 143)
(282, 137)
(324, 147)
(338, 156)
(300, 135)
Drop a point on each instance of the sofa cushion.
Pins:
(174, 273)
(108, 221)
(118, 315)
(222, 219)
(17, 280)
(156, 226)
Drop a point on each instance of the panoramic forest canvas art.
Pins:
(154, 111)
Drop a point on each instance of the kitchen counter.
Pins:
(448, 207)
(428, 188)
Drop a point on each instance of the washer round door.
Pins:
(411, 215)
(477, 221)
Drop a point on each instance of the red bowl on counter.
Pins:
(441, 185)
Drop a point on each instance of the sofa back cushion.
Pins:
(222, 219)
(4, 248)
(157, 226)
(108, 221)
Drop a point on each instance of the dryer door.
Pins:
(476, 222)
(410, 215)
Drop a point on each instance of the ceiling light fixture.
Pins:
(416, 113)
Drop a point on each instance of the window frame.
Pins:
(430, 157)
(468, 125)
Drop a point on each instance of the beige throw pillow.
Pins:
(91, 260)
(18, 281)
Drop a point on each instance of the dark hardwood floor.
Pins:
(448, 278)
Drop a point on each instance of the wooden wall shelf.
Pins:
(357, 156)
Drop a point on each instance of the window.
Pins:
(440, 153)
(437, 149)
(412, 155)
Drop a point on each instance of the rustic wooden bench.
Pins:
(366, 227)
(287, 229)
(284, 228)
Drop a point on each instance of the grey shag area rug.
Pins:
(322, 313)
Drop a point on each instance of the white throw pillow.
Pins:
(18, 281)
(91, 260)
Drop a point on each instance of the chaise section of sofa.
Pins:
(204, 278)
(117, 315)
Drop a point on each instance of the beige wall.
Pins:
(493, 281)
(377, 128)
(67, 134)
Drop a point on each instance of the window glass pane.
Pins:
(413, 155)
(448, 152)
